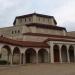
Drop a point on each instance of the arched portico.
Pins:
(56, 53)
(30, 55)
(71, 53)
(64, 53)
(42, 56)
(6, 53)
(16, 56)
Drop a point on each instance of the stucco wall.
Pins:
(16, 32)
(11, 32)
(34, 38)
(46, 31)
(34, 19)
(24, 21)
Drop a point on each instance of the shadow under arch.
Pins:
(64, 53)
(71, 53)
(16, 55)
(30, 54)
(56, 53)
(6, 53)
(43, 56)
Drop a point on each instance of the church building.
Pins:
(36, 38)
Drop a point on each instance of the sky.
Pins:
(62, 10)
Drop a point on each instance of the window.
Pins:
(43, 19)
(15, 31)
(48, 20)
(29, 19)
(38, 18)
(18, 31)
(12, 32)
(20, 20)
(25, 19)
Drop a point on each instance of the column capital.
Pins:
(60, 45)
(22, 49)
(36, 49)
(48, 50)
(12, 48)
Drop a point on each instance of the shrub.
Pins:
(0, 55)
(3, 62)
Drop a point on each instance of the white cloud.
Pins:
(66, 13)
(11, 8)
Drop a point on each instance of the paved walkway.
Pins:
(39, 69)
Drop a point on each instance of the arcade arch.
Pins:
(56, 53)
(64, 53)
(16, 55)
(71, 53)
(43, 56)
(6, 53)
(30, 54)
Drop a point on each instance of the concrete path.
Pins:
(39, 69)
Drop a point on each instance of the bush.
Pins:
(0, 55)
(3, 62)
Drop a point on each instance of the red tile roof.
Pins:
(61, 39)
(23, 43)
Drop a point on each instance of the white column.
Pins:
(20, 58)
(22, 55)
(12, 48)
(37, 49)
(24, 59)
(68, 58)
(60, 55)
(37, 58)
(51, 53)
(11, 59)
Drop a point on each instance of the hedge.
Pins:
(3, 62)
